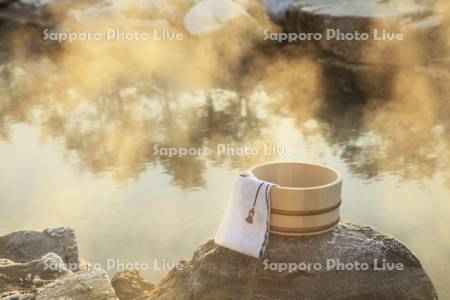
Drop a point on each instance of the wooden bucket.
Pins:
(306, 200)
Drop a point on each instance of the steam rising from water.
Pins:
(111, 100)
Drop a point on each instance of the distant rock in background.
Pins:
(425, 26)
(27, 12)
(211, 15)
(195, 16)
(276, 9)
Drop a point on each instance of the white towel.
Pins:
(235, 232)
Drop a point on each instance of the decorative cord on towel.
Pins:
(251, 212)
(266, 236)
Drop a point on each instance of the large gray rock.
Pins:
(25, 246)
(423, 23)
(218, 273)
(90, 284)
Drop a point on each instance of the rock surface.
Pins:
(24, 274)
(25, 246)
(22, 13)
(293, 268)
(130, 285)
(91, 284)
(48, 267)
(210, 15)
(218, 273)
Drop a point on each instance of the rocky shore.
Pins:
(350, 262)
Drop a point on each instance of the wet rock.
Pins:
(91, 284)
(131, 285)
(25, 246)
(218, 273)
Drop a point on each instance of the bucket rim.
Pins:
(337, 181)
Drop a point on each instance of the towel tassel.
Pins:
(251, 214)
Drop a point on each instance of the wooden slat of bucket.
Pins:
(304, 231)
(317, 211)
(307, 199)
(304, 222)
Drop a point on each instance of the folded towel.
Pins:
(245, 225)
